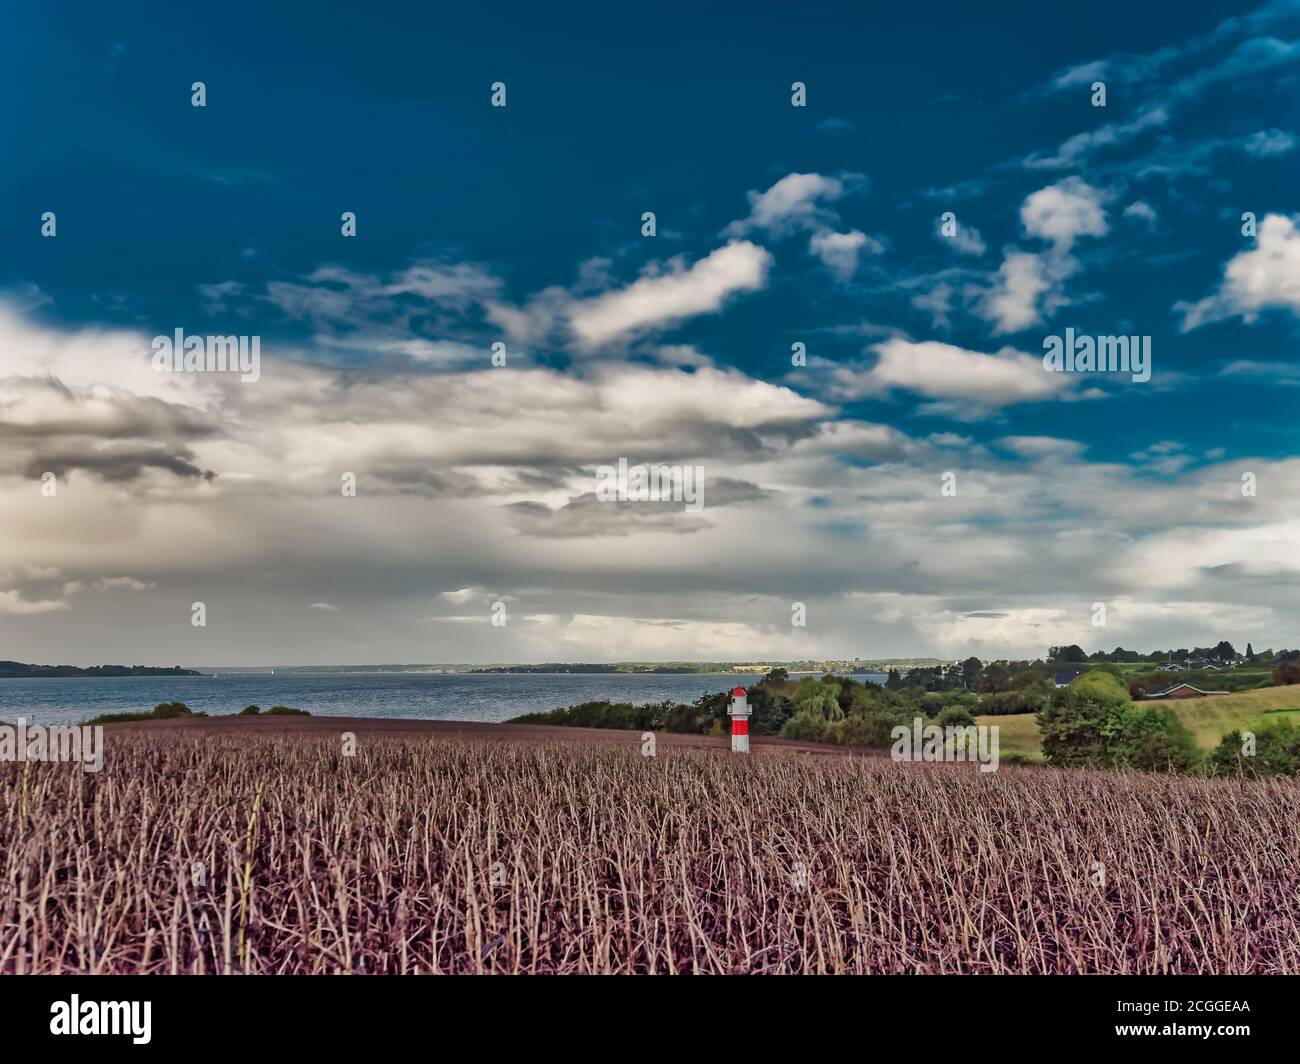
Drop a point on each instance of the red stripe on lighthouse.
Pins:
(739, 727)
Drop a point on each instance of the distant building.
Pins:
(1064, 679)
(1184, 690)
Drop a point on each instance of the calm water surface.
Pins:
(423, 696)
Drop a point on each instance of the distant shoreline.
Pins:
(18, 670)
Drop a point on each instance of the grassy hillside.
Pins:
(1212, 718)
(1018, 735)
(1209, 719)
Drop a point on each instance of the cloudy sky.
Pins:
(774, 225)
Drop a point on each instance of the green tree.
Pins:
(818, 697)
(997, 677)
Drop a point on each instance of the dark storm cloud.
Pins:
(116, 465)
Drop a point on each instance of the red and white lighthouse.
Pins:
(739, 713)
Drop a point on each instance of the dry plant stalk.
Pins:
(465, 856)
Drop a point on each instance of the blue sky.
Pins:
(775, 224)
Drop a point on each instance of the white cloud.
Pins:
(1181, 557)
(1285, 373)
(441, 455)
(793, 203)
(1083, 74)
(664, 299)
(1078, 147)
(121, 583)
(1270, 142)
(613, 638)
(797, 204)
(1029, 286)
(966, 239)
(1042, 447)
(325, 606)
(839, 251)
(1265, 277)
(858, 439)
(13, 604)
(1063, 212)
(946, 372)
(1142, 210)
(1012, 301)
(938, 302)
(463, 596)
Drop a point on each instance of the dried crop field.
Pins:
(278, 854)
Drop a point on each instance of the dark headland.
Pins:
(11, 670)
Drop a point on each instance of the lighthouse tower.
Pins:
(739, 713)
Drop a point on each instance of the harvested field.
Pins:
(268, 852)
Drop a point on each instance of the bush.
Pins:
(955, 716)
(117, 718)
(649, 717)
(1277, 752)
(872, 726)
(162, 711)
(285, 711)
(1022, 700)
(935, 702)
(1094, 725)
(1151, 739)
(1072, 726)
(808, 725)
(250, 711)
(1101, 687)
(855, 731)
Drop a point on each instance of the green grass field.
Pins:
(1018, 735)
(1209, 719)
